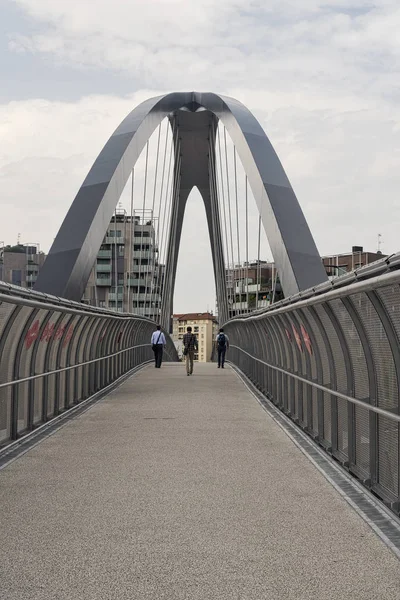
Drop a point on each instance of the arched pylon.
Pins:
(73, 253)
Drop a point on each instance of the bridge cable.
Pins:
(169, 237)
(258, 261)
(223, 204)
(142, 227)
(156, 268)
(132, 235)
(237, 225)
(173, 232)
(162, 254)
(151, 256)
(247, 243)
(216, 230)
(230, 216)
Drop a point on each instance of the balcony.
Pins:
(114, 240)
(114, 296)
(103, 281)
(138, 254)
(134, 281)
(104, 254)
(142, 269)
(145, 240)
(103, 268)
(31, 278)
(32, 268)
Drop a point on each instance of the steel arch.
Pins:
(73, 253)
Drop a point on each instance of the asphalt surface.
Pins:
(177, 487)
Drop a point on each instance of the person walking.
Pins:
(157, 343)
(189, 346)
(222, 342)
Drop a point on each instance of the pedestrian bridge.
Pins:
(176, 487)
(277, 477)
(274, 478)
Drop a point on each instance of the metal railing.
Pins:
(54, 354)
(330, 359)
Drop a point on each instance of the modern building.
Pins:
(255, 285)
(20, 264)
(127, 276)
(204, 325)
(251, 286)
(339, 264)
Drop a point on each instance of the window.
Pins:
(16, 277)
(121, 250)
(114, 233)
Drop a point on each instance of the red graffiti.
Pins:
(59, 332)
(307, 340)
(289, 337)
(32, 334)
(297, 338)
(48, 332)
(119, 337)
(68, 336)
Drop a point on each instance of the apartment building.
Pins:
(204, 325)
(127, 276)
(20, 264)
(255, 285)
(339, 264)
(251, 286)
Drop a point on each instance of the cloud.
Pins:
(321, 77)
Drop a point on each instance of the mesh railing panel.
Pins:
(347, 341)
(41, 337)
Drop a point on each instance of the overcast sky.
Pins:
(321, 77)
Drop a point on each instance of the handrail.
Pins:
(63, 369)
(71, 308)
(332, 392)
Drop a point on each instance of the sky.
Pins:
(322, 78)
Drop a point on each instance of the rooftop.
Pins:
(194, 316)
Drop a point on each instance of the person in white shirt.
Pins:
(157, 343)
(222, 343)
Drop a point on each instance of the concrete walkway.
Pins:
(178, 487)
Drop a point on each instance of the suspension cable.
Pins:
(167, 210)
(237, 226)
(230, 216)
(164, 272)
(142, 226)
(151, 254)
(132, 235)
(247, 244)
(156, 268)
(173, 227)
(258, 260)
(223, 218)
(214, 221)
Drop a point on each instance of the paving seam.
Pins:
(29, 441)
(369, 508)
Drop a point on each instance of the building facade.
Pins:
(204, 326)
(252, 286)
(127, 276)
(20, 264)
(339, 264)
(255, 285)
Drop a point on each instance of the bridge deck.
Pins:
(180, 487)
